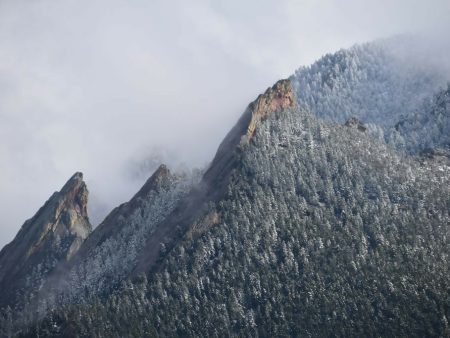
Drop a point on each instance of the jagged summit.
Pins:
(280, 96)
(160, 177)
(74, 181)
(109, 254)
(53, 234)
(74, 194)
(215, 181)
(76, 176)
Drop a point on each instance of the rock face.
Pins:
(279, 97)
(354, 123)
(54, 234)
(109, 254)
(110, 227)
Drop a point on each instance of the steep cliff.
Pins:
(53, 235)
(110, 253)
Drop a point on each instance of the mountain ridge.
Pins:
(311, 220)
(278, 97)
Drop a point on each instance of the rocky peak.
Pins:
(53, 234)
(214, 183)
(75, 194)
(64, 220)
(159, 177)
(280, 96)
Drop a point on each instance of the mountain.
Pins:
(51, 236)
(109, 254)
(194, 208)
(325, 212)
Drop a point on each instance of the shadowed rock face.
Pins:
(110, 227)
(107, 256)
(54, 234)
(354, 123)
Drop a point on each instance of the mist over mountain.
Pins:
(324, 212)
(96, 85)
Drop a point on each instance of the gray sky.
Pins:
(100, 86)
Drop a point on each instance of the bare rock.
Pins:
(354, 123)
(281, 96)
(54, 234)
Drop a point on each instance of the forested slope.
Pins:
(323, 231)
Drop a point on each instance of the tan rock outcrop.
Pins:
(280, 96)
(54, 234)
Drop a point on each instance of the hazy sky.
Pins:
(99, 86)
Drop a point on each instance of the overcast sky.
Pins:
(100, 86)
